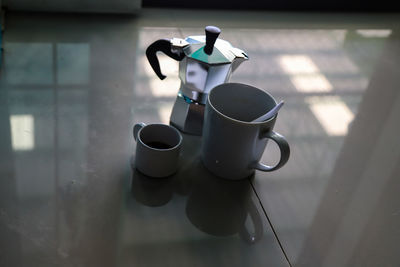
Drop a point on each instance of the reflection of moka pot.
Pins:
(205, 62)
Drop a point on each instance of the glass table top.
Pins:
(73, 86)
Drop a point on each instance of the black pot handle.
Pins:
(162, 45)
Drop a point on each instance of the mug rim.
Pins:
(160, 149)
(236, 120)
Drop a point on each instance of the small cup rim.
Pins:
(160, 149)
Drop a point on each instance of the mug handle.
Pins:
(256, 220)
(283, 147)
(136, 129)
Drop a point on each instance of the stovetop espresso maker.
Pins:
(204, 62)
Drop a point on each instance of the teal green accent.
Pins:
(200, 55)
(215, 58)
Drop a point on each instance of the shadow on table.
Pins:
(215, 206)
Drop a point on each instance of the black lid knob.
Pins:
(212, 34)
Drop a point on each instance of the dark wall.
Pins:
(281, 5)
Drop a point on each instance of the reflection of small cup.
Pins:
(150, 191)
(157, 149)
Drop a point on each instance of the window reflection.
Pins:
(304, 74)
(73, 63)
(311, 83)
(29, 63)
(297, 64)
(333, 114)
(375, 33)
(164, 112)
(154, 98)
(22, 132)
(162, 88)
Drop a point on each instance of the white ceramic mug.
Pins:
(157, 149)
(232, 144)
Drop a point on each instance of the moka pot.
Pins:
(204, 62)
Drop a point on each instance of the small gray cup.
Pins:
(157, 149)
(232, 144)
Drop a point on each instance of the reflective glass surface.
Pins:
(73, 86)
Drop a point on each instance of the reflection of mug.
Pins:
(157, 149)
(221, 208)
(232, 144)
(150, 191)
